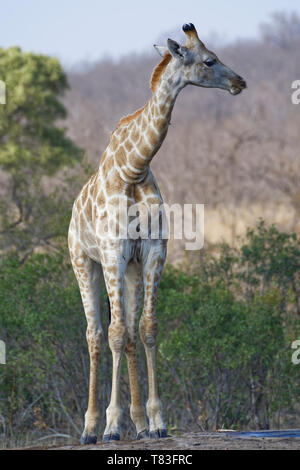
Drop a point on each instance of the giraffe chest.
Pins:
(129, 215)
(114, 212)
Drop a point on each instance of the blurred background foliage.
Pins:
(227, 315)
(225, 332)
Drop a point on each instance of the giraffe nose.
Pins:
(239, 81)
(243, 82)
(237, 84)
(241, 78)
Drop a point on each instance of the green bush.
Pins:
(224, 355)
(230, 325)
(43, 327)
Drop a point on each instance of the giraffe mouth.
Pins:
(233, 90)
(237, 87)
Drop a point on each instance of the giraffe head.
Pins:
(194, 64)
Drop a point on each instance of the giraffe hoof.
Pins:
(111, 437)
(88, 439)
(142, 435)
(158, 433)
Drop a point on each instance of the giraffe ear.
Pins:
(177, 51)
(162, 50)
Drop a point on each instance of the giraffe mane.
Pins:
(125, 120)
(158, 71)
(156, 74)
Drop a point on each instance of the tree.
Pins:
(32, 145)
(29, 135)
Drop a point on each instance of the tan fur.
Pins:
(193, 39)
(129, 265)
(158, 71)
(125, 120)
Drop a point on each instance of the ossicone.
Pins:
(188, 27)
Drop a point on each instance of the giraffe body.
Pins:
(132, 266)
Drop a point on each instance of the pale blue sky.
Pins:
(75, 30)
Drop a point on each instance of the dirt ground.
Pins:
(192, 441)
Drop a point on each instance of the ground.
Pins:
(193, 441)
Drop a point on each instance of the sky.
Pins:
(87, 30)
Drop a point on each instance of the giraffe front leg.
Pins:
(117, 336)
(88, 275)
(114, 410)
(148, 331)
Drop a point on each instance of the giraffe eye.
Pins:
(209, 62)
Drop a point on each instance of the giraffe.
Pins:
(132, 267)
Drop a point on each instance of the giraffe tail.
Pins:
(108, 310)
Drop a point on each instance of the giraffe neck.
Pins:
(135, 143)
